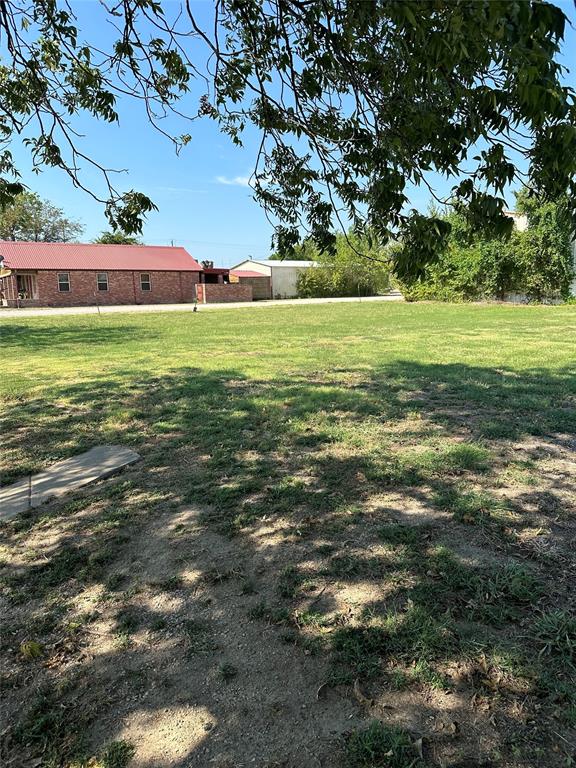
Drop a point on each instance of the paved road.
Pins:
(52, 311)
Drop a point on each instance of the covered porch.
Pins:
(19, 288)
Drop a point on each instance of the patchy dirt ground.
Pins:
(196, 647)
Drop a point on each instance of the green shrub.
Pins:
(536, 262)
(357, 268)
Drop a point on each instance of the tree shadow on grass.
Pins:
(259, 517)
(31, 338)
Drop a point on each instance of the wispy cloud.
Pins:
(236, 181)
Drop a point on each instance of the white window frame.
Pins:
(98, 281)
(64, 290)
(148, 282)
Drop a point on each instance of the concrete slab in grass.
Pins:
(64, 477)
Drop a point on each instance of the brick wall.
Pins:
(123, 288)
(261, 286)
(214, 293)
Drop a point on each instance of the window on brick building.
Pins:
(63, 282)
(102, 281)
(145, 283)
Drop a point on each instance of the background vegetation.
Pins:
(116, 238)
(30, 218)
(537, 262)
(358, 267)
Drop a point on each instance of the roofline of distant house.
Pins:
(275, 262)
(286, 262)
(101, 269)
(108, 245)
(35, 255)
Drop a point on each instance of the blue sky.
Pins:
(202, 194)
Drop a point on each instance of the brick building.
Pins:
(76, 274)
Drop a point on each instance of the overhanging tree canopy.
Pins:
(355, 102)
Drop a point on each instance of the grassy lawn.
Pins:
(349, 542)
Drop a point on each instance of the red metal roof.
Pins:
(69, 256)
(246, 273)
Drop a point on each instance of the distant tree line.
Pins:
(117, 238)
(471, 265)
(536, 262)
(30, 218)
